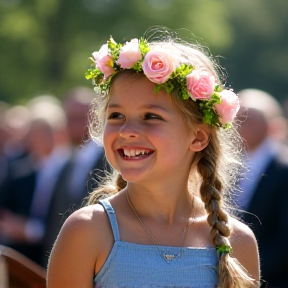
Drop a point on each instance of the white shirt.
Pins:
(45, 182)
(84, 159)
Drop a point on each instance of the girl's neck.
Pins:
(163, 204)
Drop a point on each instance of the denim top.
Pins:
(133, 265)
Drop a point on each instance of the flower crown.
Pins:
(219, 105)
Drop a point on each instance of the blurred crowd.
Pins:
(49, 164)
(264, 183)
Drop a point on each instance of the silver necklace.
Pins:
(167, 257)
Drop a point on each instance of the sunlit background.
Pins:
(45, 45)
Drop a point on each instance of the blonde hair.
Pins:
(217, 166)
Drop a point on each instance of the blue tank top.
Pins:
(133, 265)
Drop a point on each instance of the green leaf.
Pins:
(114, 48)
(144, 47)
(92, 73)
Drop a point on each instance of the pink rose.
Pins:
(104, 61)
(200, 85)
(228, 107)
(129, 54)
(158, 66)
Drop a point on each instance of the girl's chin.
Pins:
(133, 176)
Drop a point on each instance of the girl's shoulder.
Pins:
(244, 246)
(86, 214)
(86, 239)
(94, 216)
(91, 224)
(239, 227)
(88, 220)
(241, 234)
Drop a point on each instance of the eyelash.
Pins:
(147, 116)
(114, 115)
(152, 116)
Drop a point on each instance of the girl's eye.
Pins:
(115, 115)
(152, 116)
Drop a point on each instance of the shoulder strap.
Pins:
(112, 218)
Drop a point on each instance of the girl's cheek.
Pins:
(109, 137)
(108, 150)
(106, 139)
(109, 132)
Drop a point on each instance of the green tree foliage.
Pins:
(258, 56)
(45, 45)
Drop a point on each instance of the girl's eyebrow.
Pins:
(153, 107)
(113, 105)
(156, 107)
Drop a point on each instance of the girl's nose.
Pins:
(128, 131)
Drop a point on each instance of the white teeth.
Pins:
(133, 152)
(127, 152)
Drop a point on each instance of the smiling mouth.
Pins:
(134, 153)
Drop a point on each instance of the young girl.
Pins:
(162, 220)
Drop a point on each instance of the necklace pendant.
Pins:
(168, 257)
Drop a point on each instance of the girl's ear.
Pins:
(201, 140)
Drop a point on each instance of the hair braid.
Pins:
(231, 272)
(210, 191)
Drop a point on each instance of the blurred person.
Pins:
(25, 199)
(4, 136)
(17, 122)
(18, 163)
(265, 184)
(50, 108)
(85, 167)
(14, 125)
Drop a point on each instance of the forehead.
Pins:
(136, 89)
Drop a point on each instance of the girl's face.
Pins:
(145, 136)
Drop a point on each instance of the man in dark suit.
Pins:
(16, 194)
(84, 170)
(265, 184)
(31, 175)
